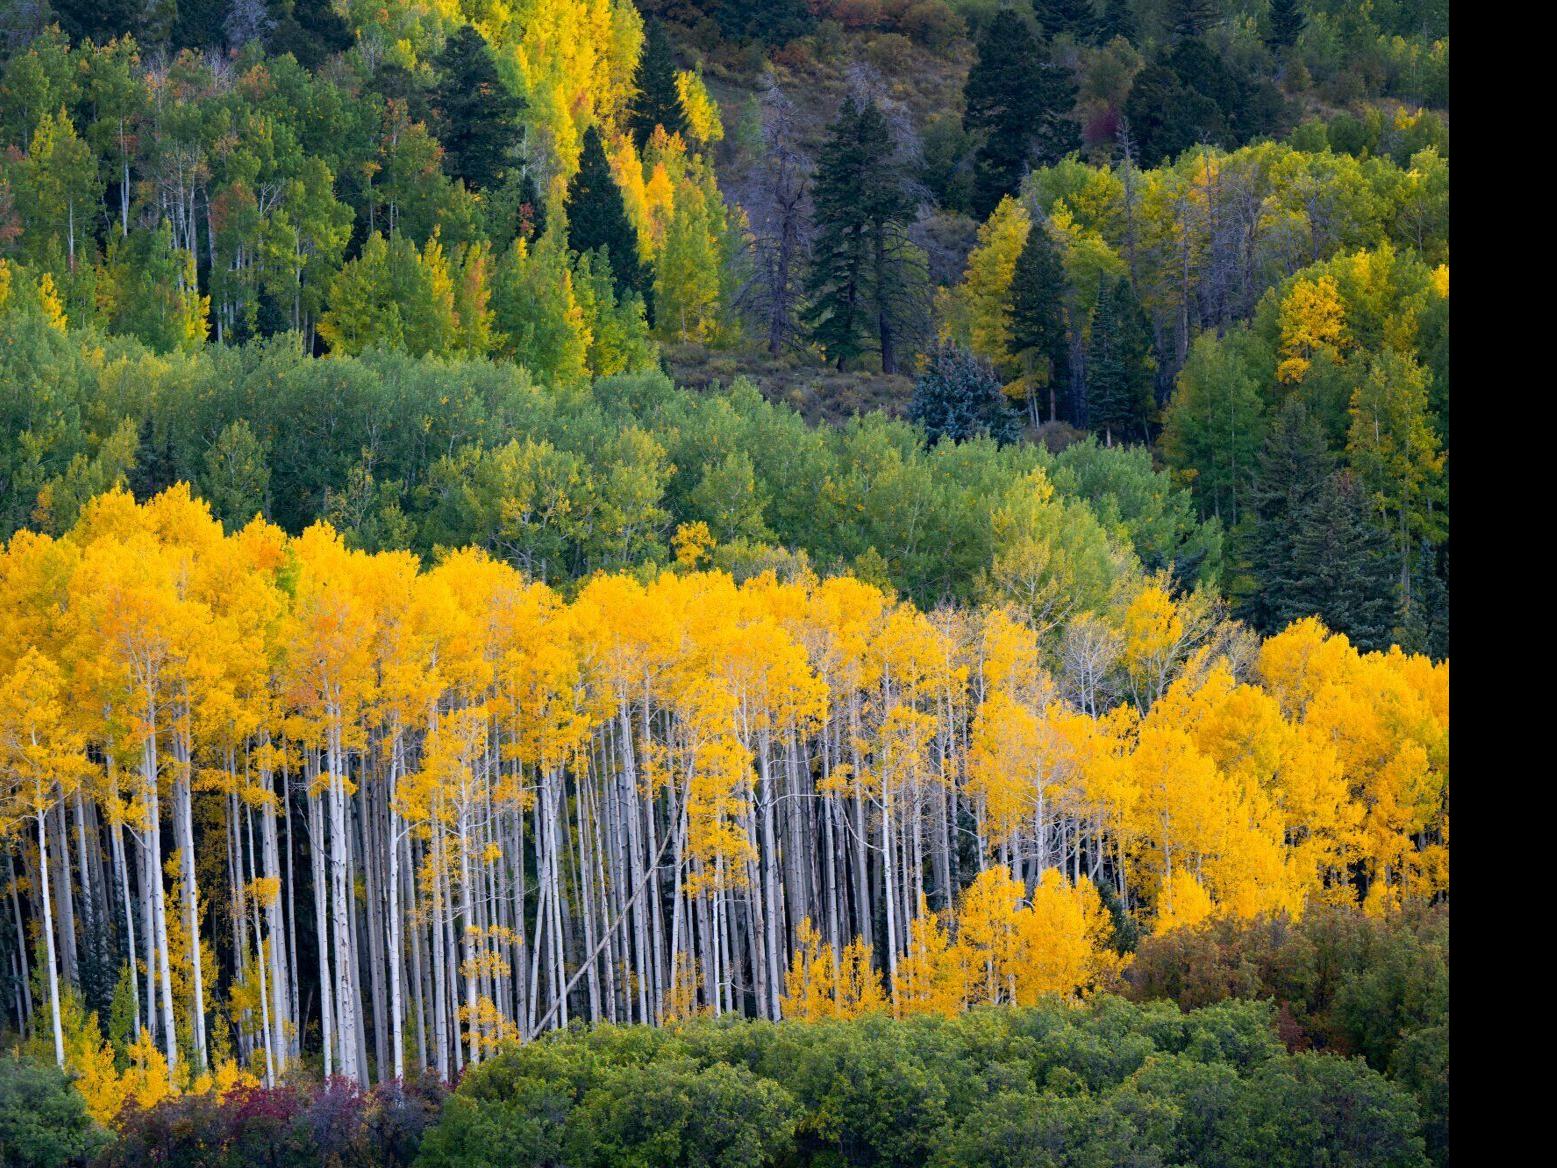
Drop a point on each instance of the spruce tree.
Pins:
(1284, 23)
(477, 118)
(1424, 615)
(1019, 105)
(1038, 335)
(1119, 389)
(597, 219)
(1075, 17)
(1341, 566)
(655, 101)
(311, 30)
(958, 397)
(1294, 468)
(1118, 20)
(864, 272)
(1191, 18)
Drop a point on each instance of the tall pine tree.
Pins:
(597, 219)
(1118, 20)
(1119, 385)
(477, 118)
(1284, 23)
(1191, 18)
(1019, 105)
(1294, 469)
(655, 100)
(1341, 566)
(1075, 17)
(1038, 336)
(866, 276)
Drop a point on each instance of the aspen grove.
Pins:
(302, 802)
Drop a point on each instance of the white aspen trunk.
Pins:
(327, 1027)
(158, 899)
(48, 933)
(341, 906)
(183, 822)
(396, 1006)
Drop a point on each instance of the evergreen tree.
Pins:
(1424, 615)
(1284, 23)
(1075, 17)
(865, 275)
(1191, 18)
(958, 397)
(1294, 469)
(1341, 566)
(1167, 117)
(1038, 334)
(477, 118)
(531, 209)
(1019, 105)
(1119, 388)
(101, 20)
(655, 101)
(1118, 20)
(774, 22)
(198, 24)
(311, 30)
(597, 218)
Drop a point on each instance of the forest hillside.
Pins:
(811, 582)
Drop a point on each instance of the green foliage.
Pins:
(865, 276)
(605, 471)
(477, 116)
(1108, 1084)
(43, 1119)
(1119, 373)
(1341, 981)
(655, 100)
(1039, 339)
(715, 1117)
(597, 219)
(1019, 103)
(957, 396)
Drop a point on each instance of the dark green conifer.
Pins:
(655, 101)
(597, 218)
(477, 118)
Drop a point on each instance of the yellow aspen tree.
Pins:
(42, 762)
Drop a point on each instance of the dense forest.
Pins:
(823, 582)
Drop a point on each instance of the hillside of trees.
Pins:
(821, 582)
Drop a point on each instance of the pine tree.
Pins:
(1191, 18)
(1118, 20)
(865, 273)
(1075, 17)
(1119, 393)
(1341, 565)
(1038, 335)
(477, 118)
(655, 100)
(1284, 23)
(958, 397)
(1019, 103)
(597, 218)
(1424, 611)
(100, 20)
(1294, 469)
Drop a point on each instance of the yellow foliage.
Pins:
(700, 108)
(1312, 322)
